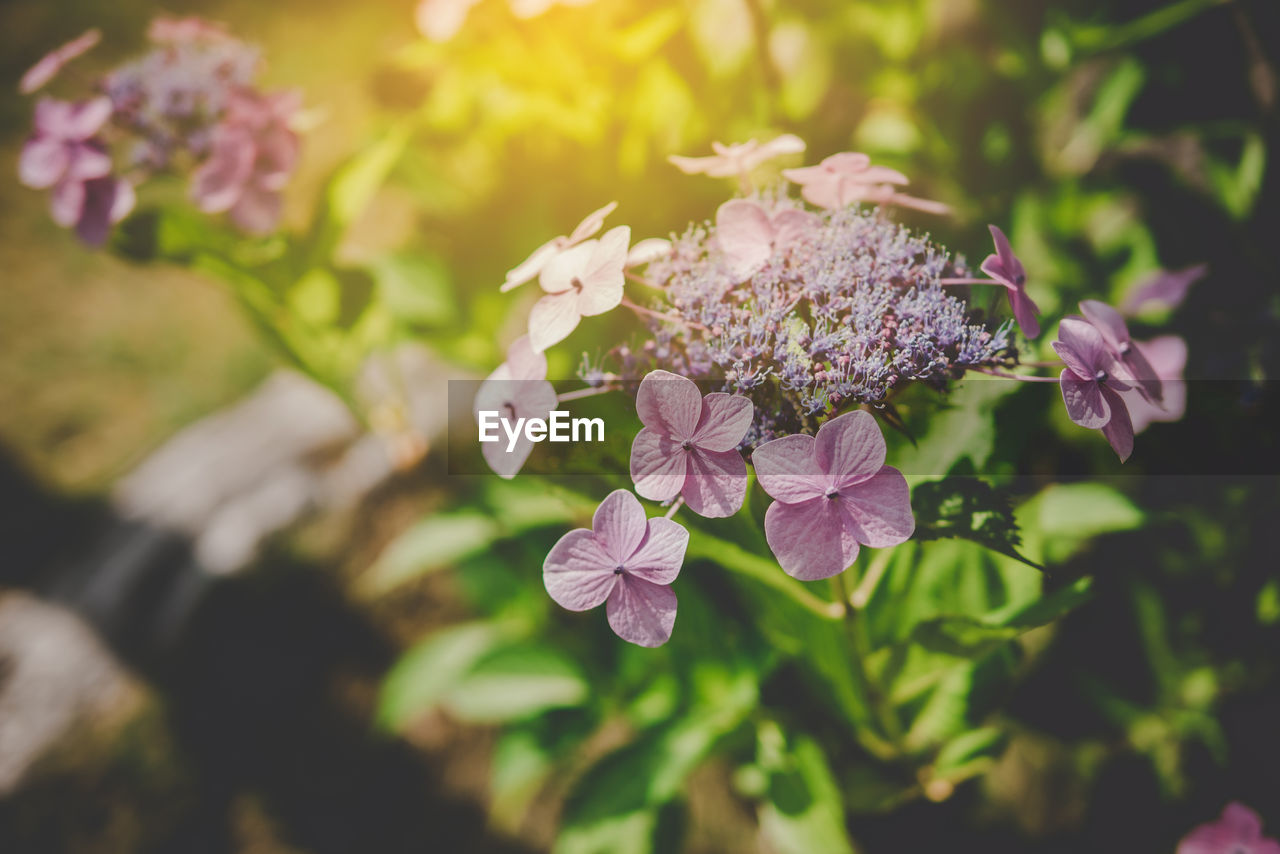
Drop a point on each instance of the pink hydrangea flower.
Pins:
(1115, 333)
(832, 492)
(739, 158)
(65, 155)
(518, 388)
(1167, 289)
(625, 561)
(689, 443)
(252, 154)
(39, 75)
(580, 282)
(749, 236)
(849, 178)
(1006, 269)
(1092, 384)
(1167, 356)
(528, 269)
(1238, 831)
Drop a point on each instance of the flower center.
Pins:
(686, 444)
(833, 494)
(577, 284)
(1100, 376)
(1124, 348)
(1020, 279)
(617, 570)
(510, 409)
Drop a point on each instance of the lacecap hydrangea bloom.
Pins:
(770, 338)
(188, 104)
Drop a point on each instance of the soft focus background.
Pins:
(258, 641)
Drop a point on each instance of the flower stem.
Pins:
(639, 309)
(969, 282)
(870, 579)
(589, 391)
(991, 372)
(675, 505)
(641, 280)
(860, 643)
(739, 560)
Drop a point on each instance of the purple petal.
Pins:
(87, 162)
(716, 484)
(1168, 357)
(1081, 346)
(850, 448)
(66, 202)
(1108, 322)
(54, 61)
(1167, 288)
(995, 268)
(661, 554)
(1118, 429)
(658, 465)
(577, 573)
(670, 404)
(1025, 312)
(100, 202)
(1144, 374)
(724, 421)
(552, 319)
(879, 509)
(1085, 403)
(218, 182)
(84, 119)
(810, 539)
(787, 470)
(620, 525)
(641, 613)
(745, 235)
(43, 162)
(1238, 830)
(1012, 266)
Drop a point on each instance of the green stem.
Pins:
(766, 572)
(860, 641)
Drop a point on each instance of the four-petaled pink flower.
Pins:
(64, 154)
(1092, 383)
(626, 561)
(688, 445)
(1167, 356)
(849, 178)
(1238, 831)
(1115, 333)
(833, 491)
(252, 155)
(580, 282)
(748, 236)
(53, 62)
(1006, 269)
(518, 388)
(739, 158)
(528, 269)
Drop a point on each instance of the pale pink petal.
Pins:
(670, 404)
(724, 421)
(529, 268)
(217, 183)
(787, 470)
(716, 484)
(641, 613)
(658, 465)
(1085, 403)
(54, 61)
(506, 464)
(846, 161)
(879, 509)
(124, 200)
(592, 223)
(692, 165)
(602, 278)
(552, 319)
(87, 163)
(1118, 429)
(647, 250)
(440, 20)
(620, 525)
(565, 268)
(902, 200)
(792, 227)
(86, 118)
(1168, 357)
(43, 162)
(825, 193)
(66, 202)
(534, 398)
(661, 554)
(1025, 312)
(788, 143)
(745, 235)
(850, 448)
(257, 210)
(577, 573)
(810, 540)
(881, 175)
(524, 362)
(1168, 288)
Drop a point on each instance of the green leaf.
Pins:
(969, 509)
(804, 811)
(1062, 519)
(969, 753)
(434, 543)
(425, 674)
(316, 297)
(357, 181)
(966, 428)
(516, 682)
(415, 288)
(961, 637)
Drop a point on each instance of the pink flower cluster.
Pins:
(191, 98)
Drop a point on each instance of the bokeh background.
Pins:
(306, 695)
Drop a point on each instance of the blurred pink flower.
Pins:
(1006, 269)
(1167, 356)
(39, 75)
(528, 269)
(849, 178)
(739, 158)
(174, 31)
(580, 282)
(1238, 831)
(1092, 384)
(1167, 289)
(832, 492)
(748, 236)
(649, 249)
(517, 388)
(1115, 333)
(252, 154)
(626, 561)
(689, 445)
